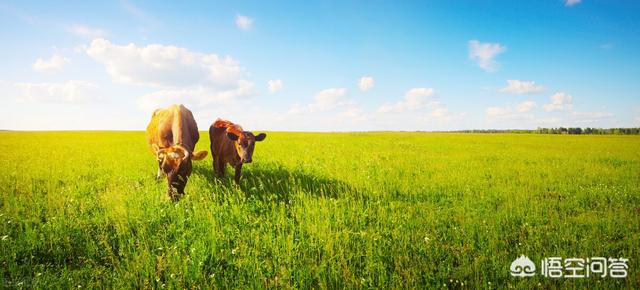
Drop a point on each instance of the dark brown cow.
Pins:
(172, 135)
(230, 144)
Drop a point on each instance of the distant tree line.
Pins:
(589, 131)
(563, 130)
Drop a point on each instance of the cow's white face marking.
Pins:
(174, 155)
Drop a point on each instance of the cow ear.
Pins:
(199, 155)
(261, 136)
(232, 136)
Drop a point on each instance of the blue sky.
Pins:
(321, 66)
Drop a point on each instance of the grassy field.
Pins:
(318, 210)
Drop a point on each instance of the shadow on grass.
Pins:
(272, 181)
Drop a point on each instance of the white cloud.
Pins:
(520, 112)
(275, 85)
(418, 105)
(521, 87)
(420, 92)
(414, 99)
(354, 114)
(296, 109)
(589, 117)
(484, 54)
(164, 65)
(497, 111)
(508, 117)
(324, 101)
(560, 101)
(196, 96)
(328, 99)
(439, 111)
(87, 32)
(72, 91)
(179, 73)
(55, 63)
(525, 106)
(521, 116)
(244, 22)
(571, 2)
(417, 110)
(366, 83)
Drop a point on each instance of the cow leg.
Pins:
(171, 193)
(238, 172)
(158, 175)
(216, 166)
(219, 167)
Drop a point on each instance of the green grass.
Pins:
(317, 210)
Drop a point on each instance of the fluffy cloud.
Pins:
(197, 96)
(366, 83)
(571, 2)
(164, 65)
(274, 85)
(55, 63)
(521, 87)
(296, 109)
(418, 105)
(560, 101)
(439, 111)
(330, 110)
(323, 101)
(589, 117)
(179, 73)
(498, 111)
(354, 114)
(417, 110)
(87, 32)
(520, 112)
(521, 116)
(72, 91)
(244, 22)
(414, 99)
(525, 106)
(328, 99)
(484, 54)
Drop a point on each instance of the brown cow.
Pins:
(172, 135)
(230, 144)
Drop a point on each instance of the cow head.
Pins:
(175, 162)
(245, 142)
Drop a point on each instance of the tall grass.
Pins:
(317, 210)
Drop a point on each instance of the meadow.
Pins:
(318, 210)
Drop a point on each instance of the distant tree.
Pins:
(575, 131)
(561, 130)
